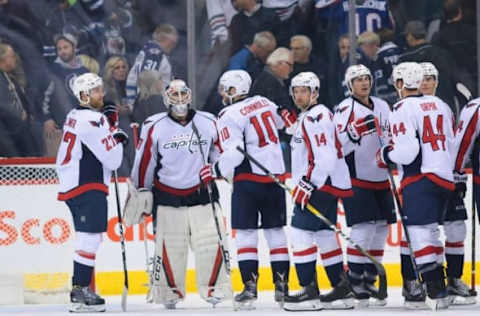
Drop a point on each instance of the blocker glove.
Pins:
(302, 192)
(361, 127)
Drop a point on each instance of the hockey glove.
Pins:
(111, 112)
(460, 184)
(302, 192)
(120, 136)
(361, 127)
(382, 157)
(289, 117)
(206, 174)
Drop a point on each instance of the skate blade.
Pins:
(436, 304)
(312, 305)
(364, 303)
(83, 308)
(244, 306)
(348, 303)
(462, 300)
(415, 305)
(375, 302)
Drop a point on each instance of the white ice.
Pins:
(265, 306)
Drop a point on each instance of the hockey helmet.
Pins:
(238, 79)
(429, 69)
(84, 83)
(305, 79)
(410, 73)
(177, 97)
(356, 71)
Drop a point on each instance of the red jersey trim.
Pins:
(371, 185)
(63, 196)
(174, 191)
(433, 177)
(336, 191)
(466, 141)
(259, 178)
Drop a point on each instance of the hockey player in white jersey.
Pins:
(455, 215)
(87, 155)
(423, 143)
(370, 210)
(321, 177)
(168, 161)
(252, 123)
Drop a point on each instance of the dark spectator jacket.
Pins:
(269, 86)
(387, 57)
(244, 59)
(243, 27)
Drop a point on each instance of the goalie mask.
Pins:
(306, 79)
(356, 71)
(411, 75)
(85, 83)
(239, 80)
(177, 97)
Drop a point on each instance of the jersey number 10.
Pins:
(261, 136)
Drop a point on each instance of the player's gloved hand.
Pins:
(460, 184)
(289, 117)
(111, 112)
(382, 156)
(361, 127)
(302, 192)
(120, 136)
(206, 174)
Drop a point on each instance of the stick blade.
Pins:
(124, 298)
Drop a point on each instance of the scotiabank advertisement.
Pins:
(37, 236)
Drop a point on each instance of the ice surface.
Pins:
(265, 306)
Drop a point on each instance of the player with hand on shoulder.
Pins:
(423, 145)
(170, 162)
(370, 210)
(321, 176)
(454, 222)
(90, 150)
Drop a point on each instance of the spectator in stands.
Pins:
(387, 57)
(301, 47)
(150, 99)
(291, 18)
(114, 82)
(153, 56)
(17, 123)
(220, 14)
(450, 74)
(368, 44)
(252, 57)
(337, 88)
(59, 98)
(271, 83)
(251, 19)
(458, 38)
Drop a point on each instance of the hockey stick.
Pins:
(134, 127)
(225, 253)
(474, 224)
(122, 243)
(382, 289)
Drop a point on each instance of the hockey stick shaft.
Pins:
(474, 224)
(381, 270)
(122, 243)
(225, 253)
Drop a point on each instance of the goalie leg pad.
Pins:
(212, 279)
(171, 252)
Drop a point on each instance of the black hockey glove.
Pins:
(460, 184)
(111, 112)
(120, 136)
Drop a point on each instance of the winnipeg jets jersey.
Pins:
(468, 130)
(422, 131)
(253, 125)
(360, 157)
(317, 153)
(87, 154)
(168, 155)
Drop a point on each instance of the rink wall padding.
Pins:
(37, 238)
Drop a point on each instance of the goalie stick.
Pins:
(122, 243)
(382, 288)
(225, 253)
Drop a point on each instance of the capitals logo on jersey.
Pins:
(187, 141)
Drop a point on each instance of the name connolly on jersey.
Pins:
(254, 106)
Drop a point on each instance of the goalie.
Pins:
(168, 161)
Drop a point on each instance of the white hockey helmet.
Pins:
(410, 73)
(238, 79)
(84, 83)
(305, 79)
(177, 97)
(355, 71)
(429, 69)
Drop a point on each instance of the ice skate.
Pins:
(375, 300)
(437, 295)
(340, 297)
(414, 295)
(83, 300)
(459, 293)
(245, 299)
(281, 290)
(307, 299)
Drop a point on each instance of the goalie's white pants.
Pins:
(177, 228)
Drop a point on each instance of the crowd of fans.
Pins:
(138, 46)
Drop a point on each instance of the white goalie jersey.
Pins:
(360, 156)
(317, 153)
(422, 131)
(87, 154)
(253, 125)
(468, 131)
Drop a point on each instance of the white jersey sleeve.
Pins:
(468, 131)
(344, 114)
